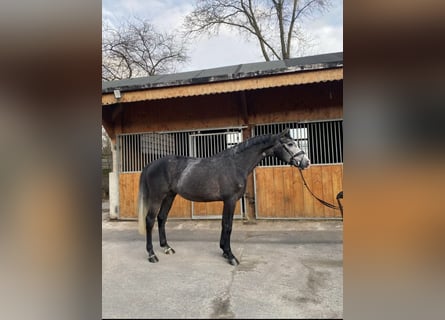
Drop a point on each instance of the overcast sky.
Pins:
(228, 48)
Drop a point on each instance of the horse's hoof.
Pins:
(153, 259)
(169, 250)
(234, 261)
(231, 259)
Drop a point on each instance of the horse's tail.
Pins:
(142, 204)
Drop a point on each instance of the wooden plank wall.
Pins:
(283, 104)
(182, 208)
(212, 209)
(128, 196)
(280, 192)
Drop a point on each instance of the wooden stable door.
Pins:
(280, 192)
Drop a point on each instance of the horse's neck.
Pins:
(249, 158)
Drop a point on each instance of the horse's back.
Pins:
(164, 170)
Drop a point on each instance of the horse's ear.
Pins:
(285, 133)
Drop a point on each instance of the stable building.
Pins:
(200, 113)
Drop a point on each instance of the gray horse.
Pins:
(221, 177)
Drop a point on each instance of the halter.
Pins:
(293, 156)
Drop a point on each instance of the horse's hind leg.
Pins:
(162, 219)
(149, 223)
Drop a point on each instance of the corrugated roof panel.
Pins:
(176, 77)
(262, 66)
(126, 83)
(321, 59)
(218, 72)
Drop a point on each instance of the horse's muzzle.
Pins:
(303, 164)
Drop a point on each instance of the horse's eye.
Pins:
(290, 144)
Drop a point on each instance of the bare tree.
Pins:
(136, 49)
(275, 24)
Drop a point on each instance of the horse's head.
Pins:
(288, 151)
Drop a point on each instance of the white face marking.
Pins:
(293, 149)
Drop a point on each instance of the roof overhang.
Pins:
(269, 81)
(250, 76)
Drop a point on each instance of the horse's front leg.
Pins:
(227, 221)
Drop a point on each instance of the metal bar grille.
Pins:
(137, 150)
(321, 140)
(205, 145)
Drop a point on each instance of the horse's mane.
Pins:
(265, 140)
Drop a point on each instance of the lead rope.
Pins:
(327, 204)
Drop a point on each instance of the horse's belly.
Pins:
(200, 191)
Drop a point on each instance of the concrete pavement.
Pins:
(288, 269)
